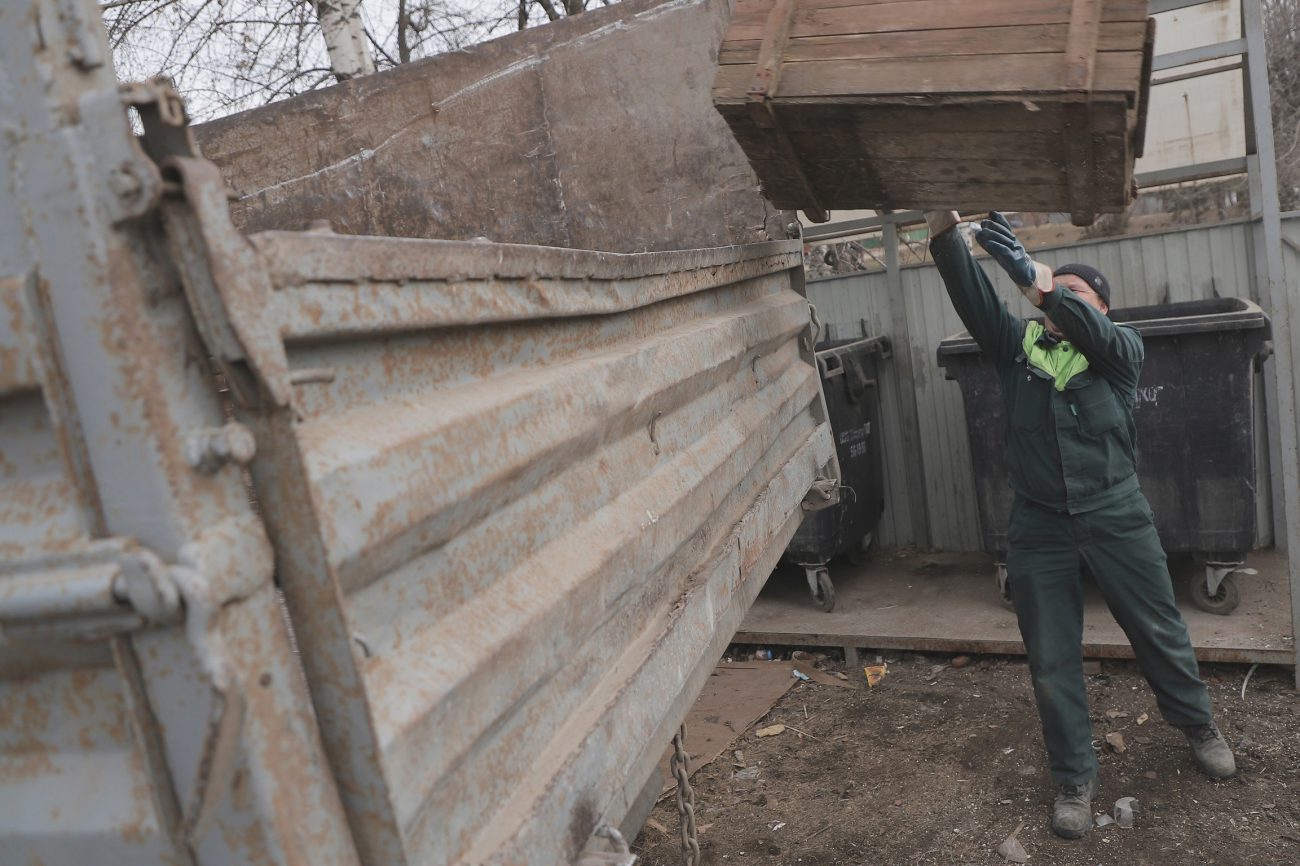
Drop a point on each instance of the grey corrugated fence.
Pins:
(1177, 265)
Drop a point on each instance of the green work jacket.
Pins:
(1071, 450)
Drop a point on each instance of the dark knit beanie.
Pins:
(1089, 275)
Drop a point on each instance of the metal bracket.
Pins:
(225, 281)
(112, 587)
(1215, 572)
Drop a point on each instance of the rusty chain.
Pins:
(680, 766)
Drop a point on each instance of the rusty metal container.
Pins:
(510, 501)
(1015, 105)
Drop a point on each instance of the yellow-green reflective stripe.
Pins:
(1062, 362)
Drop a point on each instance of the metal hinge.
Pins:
(111, 587)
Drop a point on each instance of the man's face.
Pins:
(1082, 291)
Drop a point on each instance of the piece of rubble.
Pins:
(1125, 810)
(1011, 849)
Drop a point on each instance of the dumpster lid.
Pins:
(1157, 320)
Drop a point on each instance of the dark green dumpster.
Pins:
(1195, 417)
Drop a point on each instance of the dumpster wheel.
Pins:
(819, 583)
(1221, 602)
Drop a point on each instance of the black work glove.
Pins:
(999, 241)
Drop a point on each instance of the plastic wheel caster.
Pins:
(824, 594)
(1222, 602)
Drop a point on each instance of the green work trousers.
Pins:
(1119, 545)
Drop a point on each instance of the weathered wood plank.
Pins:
(811, 19)
(1031, 39)
(919, 103)
(1023, 74)
(1009, 117)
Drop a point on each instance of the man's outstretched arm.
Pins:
(984, 314)
(1112, 350)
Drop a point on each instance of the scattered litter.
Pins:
(1004, 802)
(823, 678)
(840, 675)
(1125, 809)
(961, 661)
(1011, 849)
(1143, 719)
(1104, 820)
(740, 757)
(1246, 571)
(1008, 750)
(935, 671)
(1246, 681)
(656, 826)
(775, 825)
(763, 655)
(799, 732)
(801, 656)
(1116, 714)
(746, 775)
(770, 731)
(1116, 742)
(875, 673)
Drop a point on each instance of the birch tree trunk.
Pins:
(345, 38)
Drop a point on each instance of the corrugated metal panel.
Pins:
(1180, 265)
(151, 710)
(521, 503)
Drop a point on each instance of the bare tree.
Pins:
(555, 11)
(229, 55)
(1282, 35)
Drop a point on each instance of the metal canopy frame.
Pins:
(1282, 388)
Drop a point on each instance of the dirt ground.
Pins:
(936, 765)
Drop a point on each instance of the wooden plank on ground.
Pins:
(946, 602)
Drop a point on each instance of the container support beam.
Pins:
(913, 454)
(1283, 307)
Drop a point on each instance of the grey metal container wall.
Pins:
(1196, 437)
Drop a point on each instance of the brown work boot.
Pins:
(1212, 753)
(1072, 811)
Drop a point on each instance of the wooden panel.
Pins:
(1022, 75)
(1030, 39)
(819, 18)
(875, 100)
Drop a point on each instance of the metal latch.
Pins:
(824, 493)
(621, 855)
(110, 587)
